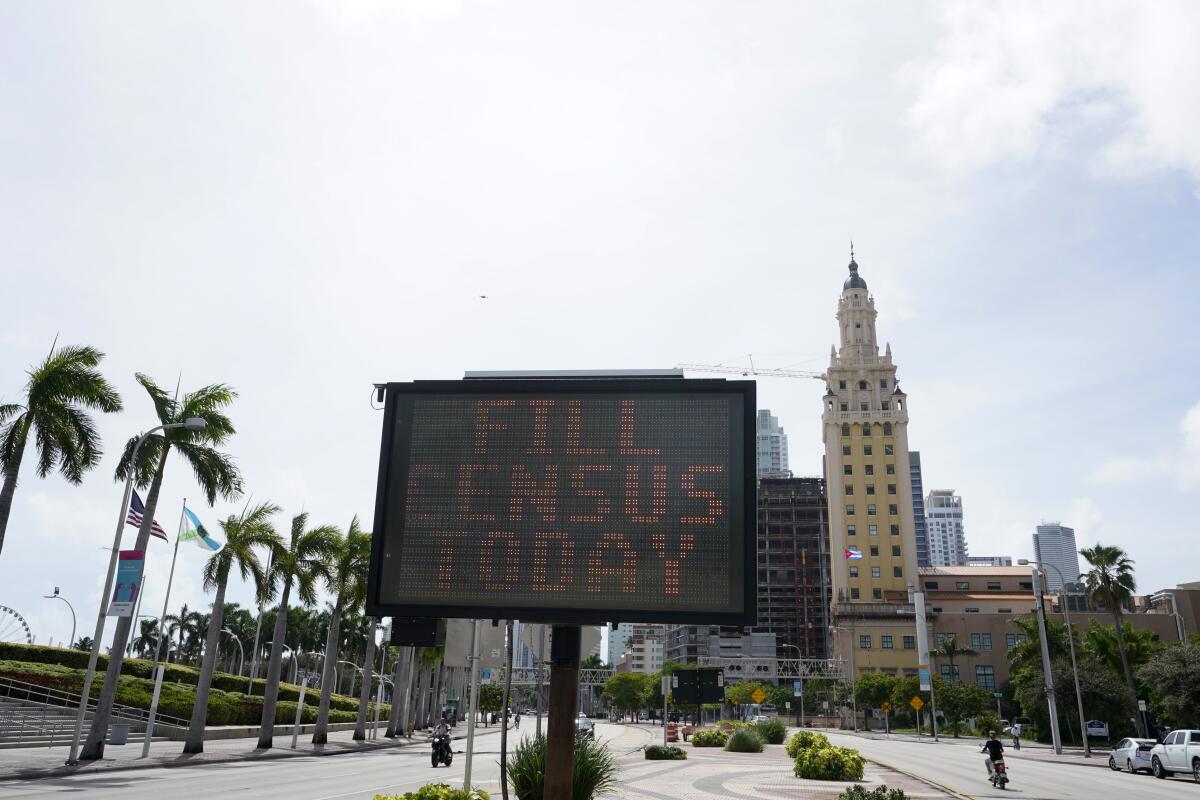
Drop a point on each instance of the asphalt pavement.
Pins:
(959, 766)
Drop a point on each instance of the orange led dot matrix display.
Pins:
(567, 500)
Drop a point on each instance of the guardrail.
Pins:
(49, 696)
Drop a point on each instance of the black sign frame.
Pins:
(742, 503)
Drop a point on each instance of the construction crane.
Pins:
(752, 370)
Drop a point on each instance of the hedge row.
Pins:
(177, 700)
(142, 668)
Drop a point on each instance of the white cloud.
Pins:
(1017, 81)
(1180, 463)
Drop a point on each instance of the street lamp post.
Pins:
(191, 424)
(57, 596)
(1051, 700)
(800, 661)
(1087, 748)
(241, 651)
(838, 630)
(356, 667)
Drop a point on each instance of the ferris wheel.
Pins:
(13, 627)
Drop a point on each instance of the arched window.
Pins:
(887, 429)
(845, 430)
(862, 384)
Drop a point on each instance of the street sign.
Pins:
(127, 584)
(1141, 705)
(885, 706)
(758, 695)
(578, 501)
(797, 688)
(917, 703)
(788, 705)
(923, 672)
(998, 695)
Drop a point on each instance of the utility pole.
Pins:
(1055, 736)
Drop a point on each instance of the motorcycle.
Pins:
(999, 774)
(441, 750)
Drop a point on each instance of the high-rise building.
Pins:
(772, 446)
(618, 641)
(918, 500)
(989, 561)
(644, 651)
(944, 529)
(869, 484)
(793, 565)
(1055, 544)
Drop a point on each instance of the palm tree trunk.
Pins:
(399, 674)
(212, 646)
(93, 748)
(364, 692)
(321, 732)
(11, 471)
(266, 731)
(1128, 673)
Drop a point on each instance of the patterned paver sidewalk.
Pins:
(712, 774)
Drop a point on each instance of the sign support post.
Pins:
(473, 711)
(560, 727)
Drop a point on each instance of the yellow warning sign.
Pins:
(917, 703)
(758, 695)
(885, 706)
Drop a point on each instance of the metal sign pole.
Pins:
(560, 727)
(300, 712)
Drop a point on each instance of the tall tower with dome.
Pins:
(871, 525)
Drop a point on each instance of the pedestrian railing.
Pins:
(50, 697)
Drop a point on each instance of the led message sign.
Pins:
(567, 500)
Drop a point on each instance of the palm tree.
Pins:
(242, 535)
(364, 692)
(948, 649)
(187, 624)
(147, 638)
(215, 473)
(348, 577)
(1110, 583)
(56, 394)
(302, 563)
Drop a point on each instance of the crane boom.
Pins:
(757, 371)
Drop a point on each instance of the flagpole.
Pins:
(157, 672)
(257, 632)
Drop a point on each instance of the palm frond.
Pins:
(208, 402)
(216, 472)
(8, 410)
(12, 438)
(148, 460)
(165, 406)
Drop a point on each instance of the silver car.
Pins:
(1132, 755)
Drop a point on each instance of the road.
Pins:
(960, 766)
(343, 777)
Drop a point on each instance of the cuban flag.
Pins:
(193, 531)
(853, 553)
(137, 512)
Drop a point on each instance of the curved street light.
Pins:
(191, 424)
(241, 652)
(57, 596)
(1066, 605)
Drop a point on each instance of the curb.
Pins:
(274, 754)
(942, 787)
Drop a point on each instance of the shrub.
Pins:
(773, 731)
(805, 739)
(437, 791)
(829, 764)
(713, 738)
(657, 752)
(744, 740)
(860, 792)
(988, 722)
(595, 769)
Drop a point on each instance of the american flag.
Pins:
(134, 518)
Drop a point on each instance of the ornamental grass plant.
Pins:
(595, 769)
(744, 740)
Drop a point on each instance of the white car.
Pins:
(1132, 755)
(1179, 752)
(585, 727)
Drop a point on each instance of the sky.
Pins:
(301, 199)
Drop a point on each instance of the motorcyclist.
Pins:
(442, 729)
(995, 751)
